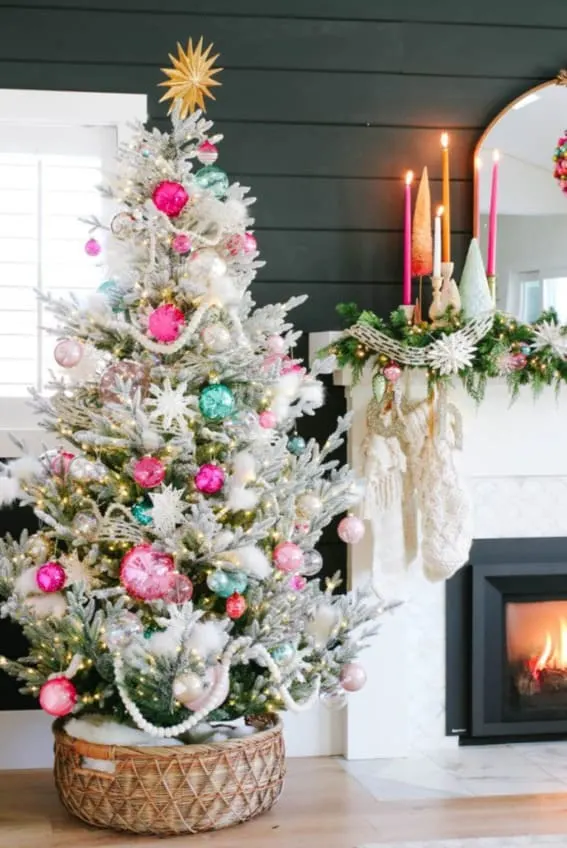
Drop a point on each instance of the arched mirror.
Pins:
(530, 230)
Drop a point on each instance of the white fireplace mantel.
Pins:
(516, 467)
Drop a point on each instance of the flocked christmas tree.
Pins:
(170, 578)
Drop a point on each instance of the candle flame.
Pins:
(496, 156)
(478, 162)
(444, 139)
(440, 210)
(409, 177)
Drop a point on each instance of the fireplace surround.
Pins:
(506, 628)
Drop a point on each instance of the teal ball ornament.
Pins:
(238, 582)
(216, 402)
(214, 179)
(296, 445)
(282, 653)
(113, 294)
(525, 349)
(142, 512)
(220, 583)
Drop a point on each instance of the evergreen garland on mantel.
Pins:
(524, 354)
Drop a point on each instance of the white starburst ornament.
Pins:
(167, 510)
(549, 334)
(171, 405)
(451, 353)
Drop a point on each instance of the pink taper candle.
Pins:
(492, 218)
(406, 294)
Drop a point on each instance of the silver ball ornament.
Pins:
(120, 631)
(85, 524)
(37, 549)
(312, 563)
(308, 505)
(216, 337)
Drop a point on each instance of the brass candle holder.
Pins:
(492, 287)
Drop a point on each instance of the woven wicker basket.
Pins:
(170, 790)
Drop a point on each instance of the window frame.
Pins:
(29, 108)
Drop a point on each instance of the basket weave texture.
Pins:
(171, 790)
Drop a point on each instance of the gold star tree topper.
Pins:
(190, 78)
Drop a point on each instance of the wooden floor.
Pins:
(322, 807)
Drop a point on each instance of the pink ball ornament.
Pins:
(92, 247)
(149, 472)
(165, 323)
(68, 353)
(170, 198)
(352, 677)
(61, 463)
(392, 372)
(181, 244)
(145, 573)
(275, 344)
(217, 678)
(249, 243)
(180, 590)
(207, 153)
(288, 556)
(209, 478)
(133, 373)
(518, 361)
(235, 244)
(50, 577)
(236, 606)
(267, 419)
(297, 582)
(58, 696)
(350, 529)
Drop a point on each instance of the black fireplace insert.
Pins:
(506, 659)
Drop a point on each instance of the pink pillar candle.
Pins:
(492, 218)
(406, 292)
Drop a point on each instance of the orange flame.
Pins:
(553, 655)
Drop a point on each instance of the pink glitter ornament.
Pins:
(61, 463)
(180, 590)
(170, 198)
(519, 361)
(297, 582)
(50, 577)
(68, 353)
(58, 696)
(302, 527)
(235, 244)
(249, 244)
(181, 244)
(128, 372)
(275, 344)
(288, 556)
(267, 419)
(207, 153)
(236, 606)
(92, 247)
(392, 372)
(218, 679)
(145, 573)
(352, 677)
(350, 529)
(209, 479)
(165, 323)
(149, 472)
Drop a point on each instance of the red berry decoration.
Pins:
(170, 198)
(58, 696)
(235, 606)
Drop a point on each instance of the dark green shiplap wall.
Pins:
(324, 105)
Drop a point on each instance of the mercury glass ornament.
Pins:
(85, 524)
(58, 696)
(188, 687)
(283, 653)
(207, 153)
(334, 701)
(180, 591)
(216, 402)
(212, 178)
(312, 563)
(68, 353)
(220, 583)
(308, 505)
(142, 512)
(216, 337)
(238, 582)
(352, 677)
(37, 548)
(83, 469)
(296, 445)
(120, 631)
(132, 373)
(350, 529)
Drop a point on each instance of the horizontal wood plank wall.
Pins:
(324, 105)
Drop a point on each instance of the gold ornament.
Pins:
(191, 78)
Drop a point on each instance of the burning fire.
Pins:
(553, 655)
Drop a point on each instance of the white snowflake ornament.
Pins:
(451, 353)
(549, 334)
(167, 510)
(171, 405)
